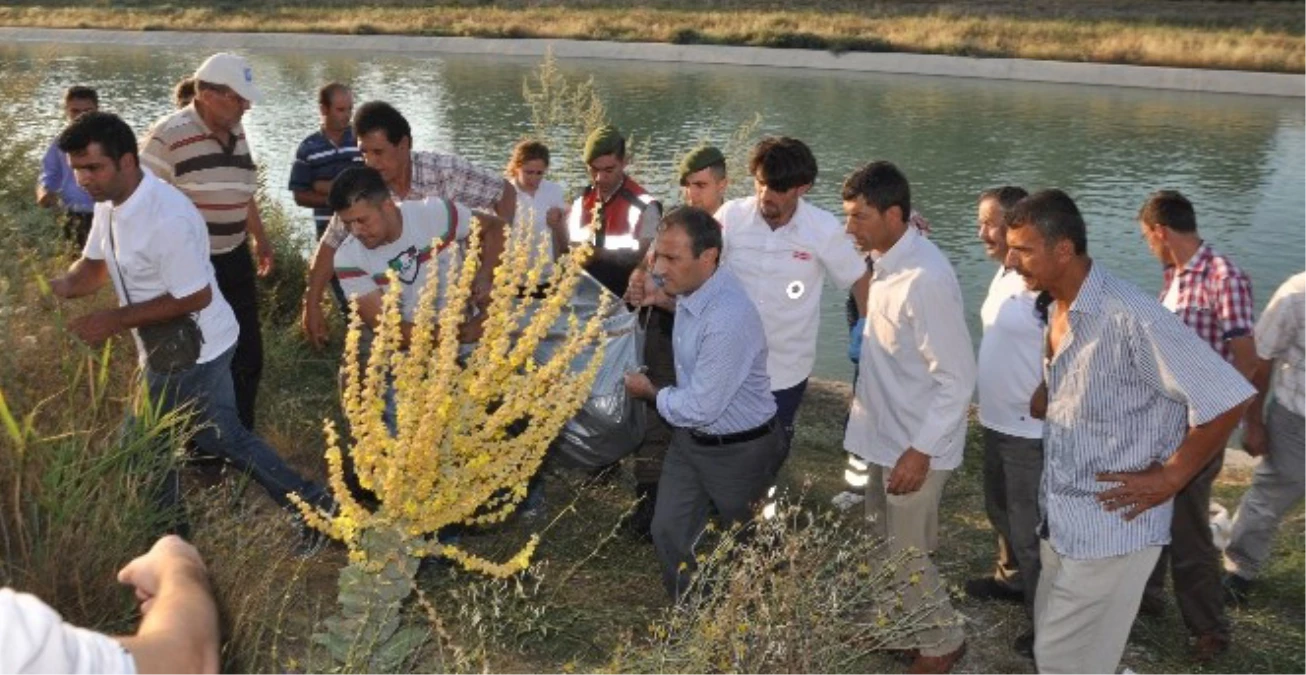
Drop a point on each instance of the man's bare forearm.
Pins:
(1201, 445)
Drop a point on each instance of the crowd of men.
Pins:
(1105, 411)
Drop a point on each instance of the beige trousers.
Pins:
(910, 523)
(1084, 609)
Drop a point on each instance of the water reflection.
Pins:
(1240, 159)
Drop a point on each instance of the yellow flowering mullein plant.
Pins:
(471, 430)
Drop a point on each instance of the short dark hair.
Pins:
(1054, 214)
(703, 230)
(1170, 209)
(328, 92)
(82, 93)
(355, 184)
(375, 115)
(1005, 195)
(782, 163)
(882, 185)
(107, 130)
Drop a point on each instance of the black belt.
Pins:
(737, 437)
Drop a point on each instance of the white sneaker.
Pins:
(847, 499)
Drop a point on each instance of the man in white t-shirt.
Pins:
(414, 239)
(148, 238)
(783, 250)
(178, 631)
(1009, 371)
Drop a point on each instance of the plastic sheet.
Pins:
(610, 425)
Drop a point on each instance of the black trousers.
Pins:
(1193, 559)
(235, 273)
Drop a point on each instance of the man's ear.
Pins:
(802, 189)
(713, 255)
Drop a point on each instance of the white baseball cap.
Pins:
(232, 71)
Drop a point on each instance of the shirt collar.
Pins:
(897, 254)
(697, 301)
(1198, 262)
(1091, 292)
(124, 210)
(794, 224)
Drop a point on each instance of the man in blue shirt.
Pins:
(1137, 405)
(726, 446)
(57, 187)
(322, 156)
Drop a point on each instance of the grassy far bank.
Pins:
(1253, 36)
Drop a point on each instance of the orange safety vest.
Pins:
(620, 216)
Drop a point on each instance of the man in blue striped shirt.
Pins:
(726, 446)
(1137, 405)
(322, 156)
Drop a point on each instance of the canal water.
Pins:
(1240, 159)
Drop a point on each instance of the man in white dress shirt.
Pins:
(908, 419)
(1009, 372)
(783, 249)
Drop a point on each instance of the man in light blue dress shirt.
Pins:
(726, 446)
(57, 187)
(1137, 405)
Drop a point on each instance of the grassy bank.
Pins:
(1254, 36)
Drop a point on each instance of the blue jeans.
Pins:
(219, 432)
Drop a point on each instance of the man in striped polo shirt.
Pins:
(385, 140)
(321, 157)
(1214, 298)
(201, 149)
(1137, 405)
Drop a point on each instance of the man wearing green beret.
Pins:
(702, 184)
(627, 216)
(703, 179)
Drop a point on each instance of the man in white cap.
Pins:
(201, 149)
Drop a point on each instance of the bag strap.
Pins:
(113, 246)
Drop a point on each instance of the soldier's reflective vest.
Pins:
(619, 215)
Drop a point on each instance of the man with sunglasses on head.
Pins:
(201, 149)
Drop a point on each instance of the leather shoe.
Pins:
(1209, 646)
(937, 664)
(988, 588)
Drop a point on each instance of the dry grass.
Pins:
(1220, 35)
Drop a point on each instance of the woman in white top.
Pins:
(541, 204)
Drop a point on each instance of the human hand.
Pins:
(265, 256)
(168, 556)
(635, 294)
(1038, 402)
(1137, 491)
(96, 327)
(313, 323)
(554, 217)
(855, 340)
(909, 473)
(1255, 441)
(639, 386)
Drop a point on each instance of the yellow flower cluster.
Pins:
(471, 429)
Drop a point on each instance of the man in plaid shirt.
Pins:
(385, 140)
(1214, 298)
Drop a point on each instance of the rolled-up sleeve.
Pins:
(1236, 307)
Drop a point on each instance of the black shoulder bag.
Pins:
(170, 346)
